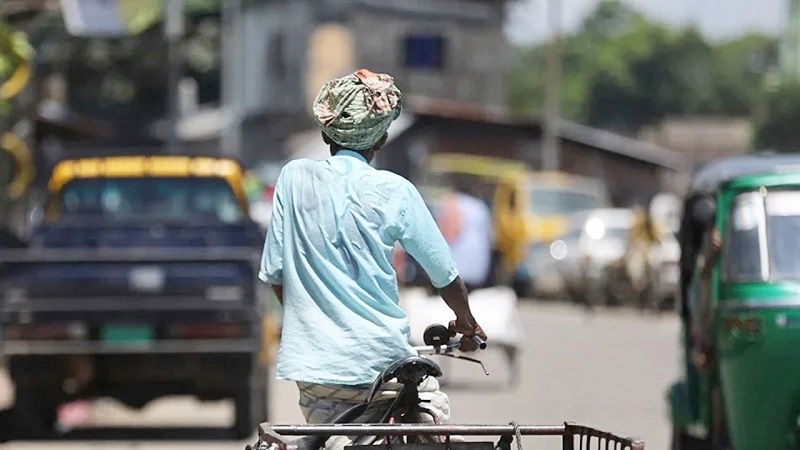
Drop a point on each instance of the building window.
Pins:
(424, 52)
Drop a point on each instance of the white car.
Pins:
(596, 240)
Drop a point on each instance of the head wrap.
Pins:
(355, 111)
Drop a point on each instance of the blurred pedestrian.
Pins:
(466, 223)
(644, 250)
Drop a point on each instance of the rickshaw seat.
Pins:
(408, 371)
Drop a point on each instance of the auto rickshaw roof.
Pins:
(477, 165)
(711, 176)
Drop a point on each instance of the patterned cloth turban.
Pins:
(355, 111)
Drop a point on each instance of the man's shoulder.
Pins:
(395, 180)
(298, 165)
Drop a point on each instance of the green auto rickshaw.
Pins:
(740, 307)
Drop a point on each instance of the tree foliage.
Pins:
(622, 71)
(776, 121)
(123, 79)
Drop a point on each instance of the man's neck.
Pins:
(352, 154)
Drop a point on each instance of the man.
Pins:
(466, 223)
(328, 257)
(642, 257)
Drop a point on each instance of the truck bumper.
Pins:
(248, 346)
(134, 378)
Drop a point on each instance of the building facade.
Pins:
(632, 170)
(445, 49)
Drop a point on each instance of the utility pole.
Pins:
(232, 77)
(173, 32)
(551, 144)
(790, 43)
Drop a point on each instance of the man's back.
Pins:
(335, 232)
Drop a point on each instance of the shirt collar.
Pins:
(352, 154)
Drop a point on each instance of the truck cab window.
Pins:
(151, 199)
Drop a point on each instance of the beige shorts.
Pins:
(322, 403)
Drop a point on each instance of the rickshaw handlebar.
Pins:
(449, 348)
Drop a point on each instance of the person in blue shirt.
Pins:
(328, 256)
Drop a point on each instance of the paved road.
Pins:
(608, 370)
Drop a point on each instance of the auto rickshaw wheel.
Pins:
(719, 433)
(682, 441)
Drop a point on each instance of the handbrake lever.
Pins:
(467, 358)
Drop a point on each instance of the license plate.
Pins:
(146, 279)
(127, 334)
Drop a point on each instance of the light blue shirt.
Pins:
(330, 243)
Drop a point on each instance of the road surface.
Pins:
(608, 370)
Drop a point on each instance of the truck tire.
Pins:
(250, 406)
(33, 416)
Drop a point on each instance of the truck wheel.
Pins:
(250, 406)
(32, 416)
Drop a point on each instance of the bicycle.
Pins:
(400, 425)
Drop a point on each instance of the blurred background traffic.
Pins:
(554, 141)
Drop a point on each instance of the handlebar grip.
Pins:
(481, 343)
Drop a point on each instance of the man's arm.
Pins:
(271, 270)
(455, 295)
(422, 240)
(277, 289)
(710, 256)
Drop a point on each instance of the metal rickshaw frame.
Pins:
(573, 436)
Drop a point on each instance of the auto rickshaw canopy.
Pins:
(716, 173)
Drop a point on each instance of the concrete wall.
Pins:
(703, 139)
(627, 179)
(368, 33)
(275, 42)
(475, 51)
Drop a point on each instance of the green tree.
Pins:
(776, 121)
(623, 71)
(123, 79)
(739, 68)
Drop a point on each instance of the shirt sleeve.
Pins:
(271, 270)
(421, 238)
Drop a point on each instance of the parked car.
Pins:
(544, 280)
(596, 241)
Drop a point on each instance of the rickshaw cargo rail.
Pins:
(405, 430)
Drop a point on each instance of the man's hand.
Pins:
(455, 295)
(468, 328)
(716, 240)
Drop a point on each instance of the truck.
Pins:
(139, 282)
